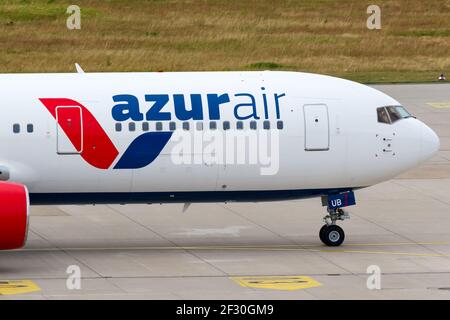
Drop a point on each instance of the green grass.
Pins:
(424, 33)
(393, 76)
(265, 66)
(321, 36)
(33, 11)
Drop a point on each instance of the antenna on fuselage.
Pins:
(78, 68)
(186, 206)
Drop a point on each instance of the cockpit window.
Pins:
(383, 116)
(392, 114)
(403, 112)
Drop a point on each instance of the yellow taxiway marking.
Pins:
(393, 244)
(287, 247)
(9, 287)
(288, 283)
(439, 105)
(308, 247)
(412, 254)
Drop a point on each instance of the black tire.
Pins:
(333, 236)
(321, 233)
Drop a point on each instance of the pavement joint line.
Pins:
(432, 196)
(80, 263)
(379, 225)
(278, 235)
(63, 250)
(166, 239)
(403, 236)
(36, 233)
(255, 223)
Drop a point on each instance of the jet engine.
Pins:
(14, 213)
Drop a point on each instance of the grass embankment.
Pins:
(321, 36)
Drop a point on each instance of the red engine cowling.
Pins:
(14, 212)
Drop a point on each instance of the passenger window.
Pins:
(383, 115)
(226, 125)
(172, 126)
(280, 125)
(159, 126)
(132, 126)
(213, 125)
(199, 126)
(266, 125)
(118, 127)
(185, 125)
(239, 125)
(16, 128)
(253, 125)
(145, 126)
(30, 128)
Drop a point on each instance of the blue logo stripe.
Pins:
(143, 150)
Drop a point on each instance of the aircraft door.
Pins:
(317, 131)
(69, 130)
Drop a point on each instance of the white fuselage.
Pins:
(330, 137)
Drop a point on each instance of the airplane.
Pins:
(109, 138)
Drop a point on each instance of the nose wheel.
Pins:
(331, 234)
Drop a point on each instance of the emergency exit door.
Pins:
(317, 134)
(69, 130)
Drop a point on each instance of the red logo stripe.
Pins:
(97, 149)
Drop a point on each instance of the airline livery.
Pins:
(100, 138)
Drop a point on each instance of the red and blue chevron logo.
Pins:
(94, 145)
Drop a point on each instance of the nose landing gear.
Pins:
(331, 234)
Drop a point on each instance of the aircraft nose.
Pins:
(429, 143)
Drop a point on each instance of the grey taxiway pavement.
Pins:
(249, 251)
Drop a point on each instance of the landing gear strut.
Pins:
(331, 234)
